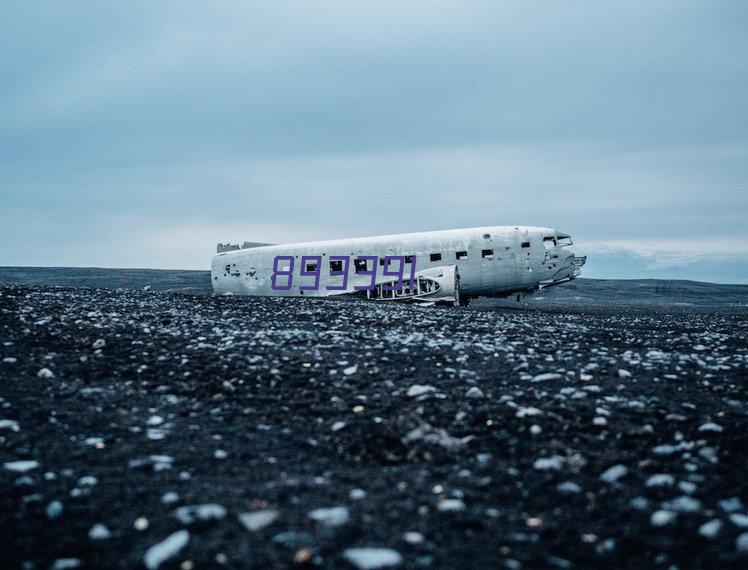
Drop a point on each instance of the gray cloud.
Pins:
(128, 132)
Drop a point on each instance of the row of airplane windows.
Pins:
(360, 265)
(337, 265)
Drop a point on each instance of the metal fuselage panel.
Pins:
(513, 266)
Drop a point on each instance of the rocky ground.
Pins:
(623, 294)
(175, 431)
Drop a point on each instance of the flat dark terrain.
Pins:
(142, 428)
(582, 293)
(171, 280)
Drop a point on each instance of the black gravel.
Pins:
(133, 405)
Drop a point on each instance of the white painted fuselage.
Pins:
(491, 261)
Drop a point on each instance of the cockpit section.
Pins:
(562, 264)
(558, 240)
(563, 240)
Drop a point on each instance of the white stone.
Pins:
(10, 360)
(665, 449)
(258, 520)
(450, 505)
(9, 424)
(639, 503)
(474, 392)
(683, 504)
(622, 373)
(66, 564)
(419, 390)
(155, 434)
(155, 421)
(554, 463)
(613, 474)
(741, 543)
(21, 466)
(730, 505)
(529, 411)
(413, 537)
(337, 426)
(687, 487)
(331, 516)
(160, 462)
(54, 510)
(710, 427)
(568, 488)
(739, 520)
(45, 373)
(546, 377)
(662, 518)
(710, 529)
(169, 498)
(369, 558)
(350, 370)
(166, 549)
(99, 532)
(660, 480)
(99, 343)
(207, 512)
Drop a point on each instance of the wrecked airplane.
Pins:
(451, 266)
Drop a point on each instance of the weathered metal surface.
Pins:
(490, 261)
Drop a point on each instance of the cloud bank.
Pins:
(143, 135)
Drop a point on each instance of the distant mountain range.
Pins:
(579, 293)
(611, 262)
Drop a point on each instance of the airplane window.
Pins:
(360, 265)
(410, 258)
(436, 257)
(487, 253)
(311, 267)
(549, 242)
(336, 265)
(525, 244)
(461, 255)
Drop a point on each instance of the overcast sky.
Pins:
(140, 134)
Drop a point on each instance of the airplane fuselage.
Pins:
(489, 261)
